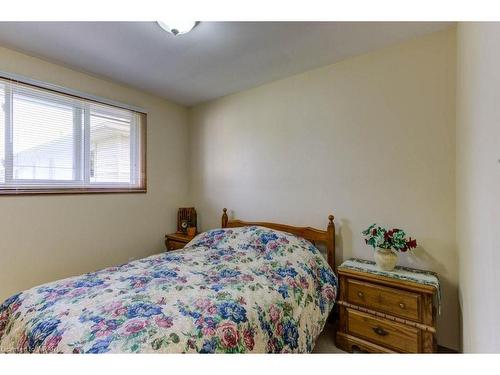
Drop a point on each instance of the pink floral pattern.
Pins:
(239, 290)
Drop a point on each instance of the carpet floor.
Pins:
(326, 342)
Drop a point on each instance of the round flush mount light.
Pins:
(177, 27)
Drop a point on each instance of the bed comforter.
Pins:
(240, 290)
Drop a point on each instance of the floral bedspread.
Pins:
(238, 290)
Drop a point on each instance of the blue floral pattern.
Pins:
(240, 290)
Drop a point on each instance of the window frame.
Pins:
(139, 132)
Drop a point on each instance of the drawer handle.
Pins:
(380, 331)
(360, 294)
(402, 305)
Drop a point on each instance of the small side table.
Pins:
(386, 312)
(176, 241)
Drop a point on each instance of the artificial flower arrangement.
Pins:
(393, 239)
(386, 244)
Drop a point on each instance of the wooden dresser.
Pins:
(176, 241)
(383, 314)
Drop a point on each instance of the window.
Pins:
(53, 142)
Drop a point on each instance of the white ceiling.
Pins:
(215, 59)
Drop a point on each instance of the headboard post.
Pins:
(224, 218)
(330, 242)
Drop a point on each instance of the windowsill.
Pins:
(71, 191)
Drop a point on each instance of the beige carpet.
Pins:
(326, 342)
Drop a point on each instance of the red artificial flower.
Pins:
(374, 232)
(411, 244)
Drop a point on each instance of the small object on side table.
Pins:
(387, 243)
(176, 241)
(386, 312)
(186, 218)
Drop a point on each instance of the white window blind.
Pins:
(54, 142)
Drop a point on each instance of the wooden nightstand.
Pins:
(386, 312)
(176, 241)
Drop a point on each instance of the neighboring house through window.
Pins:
(55, 142)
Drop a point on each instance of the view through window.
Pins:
(52, 141)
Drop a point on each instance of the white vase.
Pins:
(386, 259)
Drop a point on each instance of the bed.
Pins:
(248, 287)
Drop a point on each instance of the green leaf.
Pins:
(287, 309)
(174, 337)
(298, 295)
(368, 230)
(223, 296)
(156, 344)
(152, 332)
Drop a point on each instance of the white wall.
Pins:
(478, 184)
(44, 238)
(369, 139)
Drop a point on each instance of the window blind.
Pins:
(51, 141)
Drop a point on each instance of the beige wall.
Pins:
(370, 139)
(378, 145)
(478, 184)
(44, 238)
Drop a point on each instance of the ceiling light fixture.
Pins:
(177, 27)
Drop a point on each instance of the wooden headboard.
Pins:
(313, 235)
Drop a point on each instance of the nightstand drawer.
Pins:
(383, 332)
(174, 245)
(176, 241)
(387, 300)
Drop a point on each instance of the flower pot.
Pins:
(386, 259)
